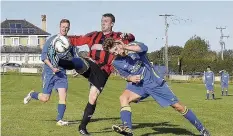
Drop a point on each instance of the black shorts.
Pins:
(95, 75)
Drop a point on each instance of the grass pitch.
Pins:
(38, 119)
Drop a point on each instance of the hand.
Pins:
(135, 78)
(124, 36)
(212, 83)
(55, 70)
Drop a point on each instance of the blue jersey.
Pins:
(137, 64)
(225, 77)
(48, 50)
(209, 77)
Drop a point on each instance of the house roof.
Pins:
(20, 49)
(22, 27)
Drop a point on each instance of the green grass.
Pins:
(38, 119)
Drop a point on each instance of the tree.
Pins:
(195, 48)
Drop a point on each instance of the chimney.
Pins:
(43, 39)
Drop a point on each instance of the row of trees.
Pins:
(195, 56)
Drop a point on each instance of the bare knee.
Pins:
(124, 99)
(44, 98)
(179, 107)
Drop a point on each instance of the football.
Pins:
(61, 44)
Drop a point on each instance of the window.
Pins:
(3, 58)
(12, 25)
(22, 58)
(17, 58)
(18, 25)
(11, 58)
(15, 40)
(33, 40)
(1, 40)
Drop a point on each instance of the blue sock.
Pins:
(61, 110)
(78, 63)
(189, 115)
(35, 95)
(207, 96)
(126, 116)
(213, 96)
(222, 92)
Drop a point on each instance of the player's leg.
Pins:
(48, 83)
(126, 116)
(227, 90)
(226, 87)
(61, 85)
(207, 92)
(222, 87)
(191, 117)
(212, 92)
(165, 97)
(89, 109)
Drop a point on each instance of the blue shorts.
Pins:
(50, 82)
(224, 85)
(209, 87)
(161, 94)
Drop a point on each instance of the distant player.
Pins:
(53, 77)
(224, 81)
(132, 64)
(209, 82)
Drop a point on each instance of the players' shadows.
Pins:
(170, 130)
(160, 128)
(93, 120)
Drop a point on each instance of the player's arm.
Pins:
(125, 75)
(127, 36)
(44, 55)
(137, 47)
(81, 39)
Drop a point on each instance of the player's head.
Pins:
(115, 47)
(208, 68)
(107, 22)
(64, 26)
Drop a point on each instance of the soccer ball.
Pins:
(61, 44)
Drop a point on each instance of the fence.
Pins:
(72, 72)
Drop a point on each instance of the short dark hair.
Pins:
(110, 15)
(65, 21)
(208, 67)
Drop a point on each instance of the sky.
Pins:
(140, 18)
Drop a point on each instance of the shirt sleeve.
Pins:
(45, 48)
(80, 40)
(143, 47)
(119, 70)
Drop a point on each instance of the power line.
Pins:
(166, 43)
(222, 43)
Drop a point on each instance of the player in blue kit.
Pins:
(132, 64)
(224, 81)
(209, 83)
(53, 76)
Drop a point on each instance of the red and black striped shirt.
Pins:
(94, 40)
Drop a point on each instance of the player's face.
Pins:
(106, 24)
(117, 49)
(64, 28)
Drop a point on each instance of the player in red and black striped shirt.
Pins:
(98, 74)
